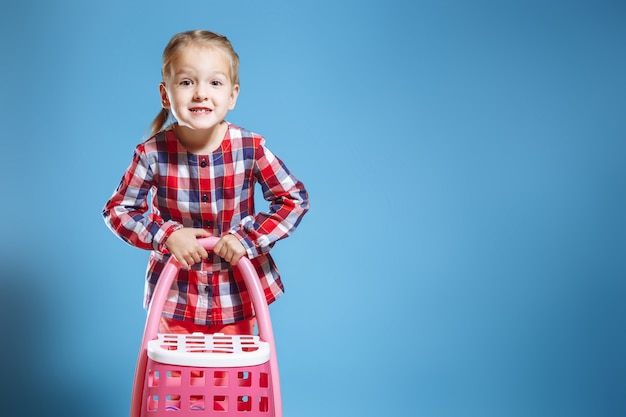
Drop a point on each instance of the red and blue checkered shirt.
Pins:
(214, 192)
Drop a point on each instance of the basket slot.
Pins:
(244, 403)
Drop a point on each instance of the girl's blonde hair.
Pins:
(182, 40)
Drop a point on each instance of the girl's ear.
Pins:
(233, 96)
(165, 102)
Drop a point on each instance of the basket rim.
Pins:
(208, 350)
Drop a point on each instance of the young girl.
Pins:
(199, 174)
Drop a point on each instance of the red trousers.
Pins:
(168, 325)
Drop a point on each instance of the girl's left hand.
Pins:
(230, 249)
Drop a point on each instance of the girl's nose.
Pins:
(201, 93)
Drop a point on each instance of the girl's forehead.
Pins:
(200, 57)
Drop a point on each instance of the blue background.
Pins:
(465, 253)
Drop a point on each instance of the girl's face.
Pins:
(198, 89)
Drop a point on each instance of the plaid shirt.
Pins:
(214, 192)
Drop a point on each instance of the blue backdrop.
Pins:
(465, 252)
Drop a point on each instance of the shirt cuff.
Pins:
(165, 232)
(247, 243)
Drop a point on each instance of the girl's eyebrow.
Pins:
(223, 74)
(183, 70)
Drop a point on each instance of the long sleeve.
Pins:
(288, 202)
(126, 213)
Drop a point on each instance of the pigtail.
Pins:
(159, 122)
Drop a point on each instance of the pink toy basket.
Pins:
(180, 375)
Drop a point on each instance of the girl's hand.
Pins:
(183, 245)
(230, 249)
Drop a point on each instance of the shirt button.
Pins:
(205, 198)
(203, 164)
(207, 223)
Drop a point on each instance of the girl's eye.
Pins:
(185, 82)
(216, 82)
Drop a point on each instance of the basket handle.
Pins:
(168, 275)
(163, 285)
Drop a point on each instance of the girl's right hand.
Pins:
(183, 245)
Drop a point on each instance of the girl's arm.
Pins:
(288, 199)
(126, 212)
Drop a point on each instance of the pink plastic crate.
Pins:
(207, 374)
